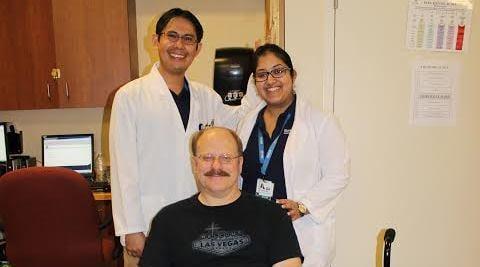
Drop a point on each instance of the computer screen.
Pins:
(73, 151)
(3, 143)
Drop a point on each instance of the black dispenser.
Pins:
(232, 70)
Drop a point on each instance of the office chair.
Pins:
(50, 219)
(2, 243)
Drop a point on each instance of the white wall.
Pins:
(309, 43)
(35, 123)
(423, 181)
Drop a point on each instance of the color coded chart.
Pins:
(441, 25)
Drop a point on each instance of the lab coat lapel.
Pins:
(246, 127)
(193, 117)
(158, 81)
(292, 145)
(165, 93)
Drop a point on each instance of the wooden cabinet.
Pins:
(87, 40)
(92, 50)
(27, 55)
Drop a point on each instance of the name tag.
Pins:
(203, 126)
(264, 188)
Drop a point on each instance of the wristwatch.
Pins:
(302, 209)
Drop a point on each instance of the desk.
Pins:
(103, 201)
(102, 196)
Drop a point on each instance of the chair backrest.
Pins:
(50, 219)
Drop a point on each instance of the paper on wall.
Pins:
(433, 99)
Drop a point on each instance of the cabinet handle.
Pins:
(67, 91)
(48, 91)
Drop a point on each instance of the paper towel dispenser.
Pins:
(233, 67)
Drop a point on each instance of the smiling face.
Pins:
(176, 57)
(277, 92)
(218, 177)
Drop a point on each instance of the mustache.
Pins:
(218, 172)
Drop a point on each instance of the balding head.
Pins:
(196, 136)
(217, 161)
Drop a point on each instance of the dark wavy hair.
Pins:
(275, 50)
(178, 12)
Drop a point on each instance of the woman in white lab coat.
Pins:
(294, 155)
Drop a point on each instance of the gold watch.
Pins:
(303, 210)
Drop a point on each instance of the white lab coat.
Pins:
(316, 165)
(149, 147)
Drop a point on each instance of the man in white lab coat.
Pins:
(152, 120)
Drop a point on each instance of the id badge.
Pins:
(264, 188)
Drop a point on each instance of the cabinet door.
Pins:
(92, 50)
(27, 55)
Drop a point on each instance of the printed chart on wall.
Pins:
(439, 25)
(434, 87)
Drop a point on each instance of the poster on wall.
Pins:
(433, 99)
(439, 25)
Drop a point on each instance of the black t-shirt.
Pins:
(248, 232)
(182, 101)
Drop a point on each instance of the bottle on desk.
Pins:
(100, 168)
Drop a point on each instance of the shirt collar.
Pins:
(290, 109)
(184, 93)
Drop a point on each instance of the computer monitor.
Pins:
(73, 151)
(3, 144)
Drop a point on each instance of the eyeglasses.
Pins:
(262, 76)
(222, 158)
(173, 37)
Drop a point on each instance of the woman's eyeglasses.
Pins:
(262, 76)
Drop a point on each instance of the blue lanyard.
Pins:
(265, 160)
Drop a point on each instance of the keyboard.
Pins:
(99, 186)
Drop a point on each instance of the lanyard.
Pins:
(265, 159)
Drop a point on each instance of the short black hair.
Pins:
(275, 50)
(178, 12)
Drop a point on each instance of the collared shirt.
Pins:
(251, 164)
(182, 101)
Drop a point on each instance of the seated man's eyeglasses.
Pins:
(223, 158)
(262, 76)
(173, 37)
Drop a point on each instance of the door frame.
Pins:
(275, 33)
(275, 22)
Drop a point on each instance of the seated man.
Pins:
(220, 226)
